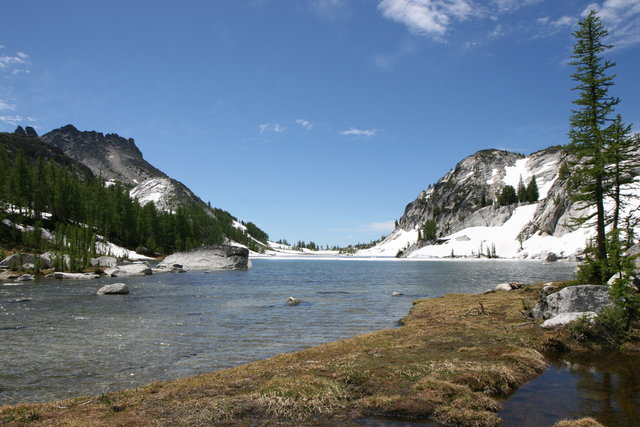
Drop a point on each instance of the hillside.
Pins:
(467, 219)
(45, 192)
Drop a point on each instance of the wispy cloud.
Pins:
(358, 132)
(18, 63)
(330, 9)
(383, 226)
(622, 18)
(271, 127)
(504, 6)
(305, 124)
(16, 120)
(6, 106)
(427, 17)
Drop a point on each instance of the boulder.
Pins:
(114, 289)
(547, 256)
(396, 294)
(28, 266)
(572, 299)
(129, 270)
(216, 257)
(26, 278)
(104, 261)
(565, 318)
(72, 276)
(50, 257)
(293, 301)
(503, 287)
(17, 260)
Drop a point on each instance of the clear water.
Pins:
(63, 340)
(605, 387)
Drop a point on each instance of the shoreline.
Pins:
(451, 360)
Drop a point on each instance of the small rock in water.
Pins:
(26, 278)
(114, 289)
(20, 300)
(396, 294)
(293, 301)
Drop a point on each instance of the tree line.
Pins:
(44, 195)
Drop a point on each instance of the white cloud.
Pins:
(330, 9)
(383, 227)
(271, 127)
(621, 18)
(511, 5)
(305, 124)
(21, 59)
(7, 106)
(427, 17)
(358, 132)
(16, 120)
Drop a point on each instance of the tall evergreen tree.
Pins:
(590, 123)
(532, 193)
(522, 191)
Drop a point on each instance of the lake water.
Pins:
(59, 339)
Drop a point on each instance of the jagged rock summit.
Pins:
(107, 155)
(118, 159)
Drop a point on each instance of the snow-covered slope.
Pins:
(467, 228)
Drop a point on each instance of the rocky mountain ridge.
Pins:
(468, 221)
(115, 158)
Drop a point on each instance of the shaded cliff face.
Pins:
(109, 156)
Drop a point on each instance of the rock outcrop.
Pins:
(216, 257)
(571, 303)
(72, 276)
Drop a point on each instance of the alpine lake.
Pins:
(59, 339)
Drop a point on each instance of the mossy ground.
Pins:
(452, 359)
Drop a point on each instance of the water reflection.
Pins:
(603, 386)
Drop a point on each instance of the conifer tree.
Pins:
(590, 123)
(522, 192)
(532, 193)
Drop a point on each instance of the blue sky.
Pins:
(316, 119)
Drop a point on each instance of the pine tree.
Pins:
(522, 192)
(532, 193)
(622, 161)
(589, 127)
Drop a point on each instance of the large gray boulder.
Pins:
(572, 299)
(215, 257)
(17, 260)
(104, 261)
(129, 270)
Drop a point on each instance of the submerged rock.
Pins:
(114, 289)
(216, 257)
(26, 278)
(293, 301)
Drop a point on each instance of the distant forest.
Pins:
(38, 193)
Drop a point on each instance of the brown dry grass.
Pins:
(449, 362)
